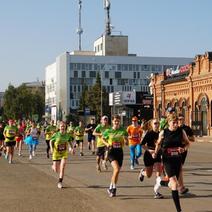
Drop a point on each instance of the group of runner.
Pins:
(164, 144)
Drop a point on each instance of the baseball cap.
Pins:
(134, 118)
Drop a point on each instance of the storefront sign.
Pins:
(170, 72)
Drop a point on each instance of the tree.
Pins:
(92, 98)
(21, 102)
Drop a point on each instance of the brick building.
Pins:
(189, 90)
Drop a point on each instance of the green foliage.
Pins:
(92, 98)
(21, 102)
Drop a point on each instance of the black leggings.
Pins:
(48, 146)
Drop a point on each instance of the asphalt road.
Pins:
(32, 186)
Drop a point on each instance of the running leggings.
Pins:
(135, 153)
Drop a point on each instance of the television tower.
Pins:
(79, 29)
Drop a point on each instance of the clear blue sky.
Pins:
(34, 32)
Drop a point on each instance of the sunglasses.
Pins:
(155, 123)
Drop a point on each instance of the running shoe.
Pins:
(93, 153)
(132, 167)
(19, 154)
(59, 185)
(5, 156)
(141, 176)
(81, 154)
(136, 161)
(158, 196)
(30, 157)
(104, 165)
(184, 190)
(33, 153)
(111, 192)
(10, 162)
(98, 169)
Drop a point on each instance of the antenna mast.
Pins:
(107, 19)
(79, 29)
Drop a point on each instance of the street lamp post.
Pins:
(101, 94)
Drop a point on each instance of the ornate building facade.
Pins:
(189, 90)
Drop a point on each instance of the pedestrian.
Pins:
(148, 144)
(134, 137)
(101, 153)
(115, 138)
(173, 141)
(60, 144)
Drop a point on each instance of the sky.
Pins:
(34, 32)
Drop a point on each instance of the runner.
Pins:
(70, 131)
(134, 136)
(190, 134)
(91, 138)
(148, 144)
(49, 131)
(19, 138)
(101, 148)
(173, 141)
(79, 136)
(10, 132)
(59, 148)
(114, 138)
(1, 137)
(32, 139)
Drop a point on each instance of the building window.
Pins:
(111, 81)
(138, 75)
(83, 74)
(118, 75)
(106, 74)
(134, 75)
(75, 74)
(125, 67)
(119, 67)
(92, 74)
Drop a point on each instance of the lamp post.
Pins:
(101, 93)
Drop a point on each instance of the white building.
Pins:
(66, 77)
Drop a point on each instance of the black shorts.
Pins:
(79, 141)
(149, 160)
(172, 165)
(91, 137)
(117, 155)
(101, 151)
(184, 155)
(10, 143)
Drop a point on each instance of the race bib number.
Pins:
(61, 147)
